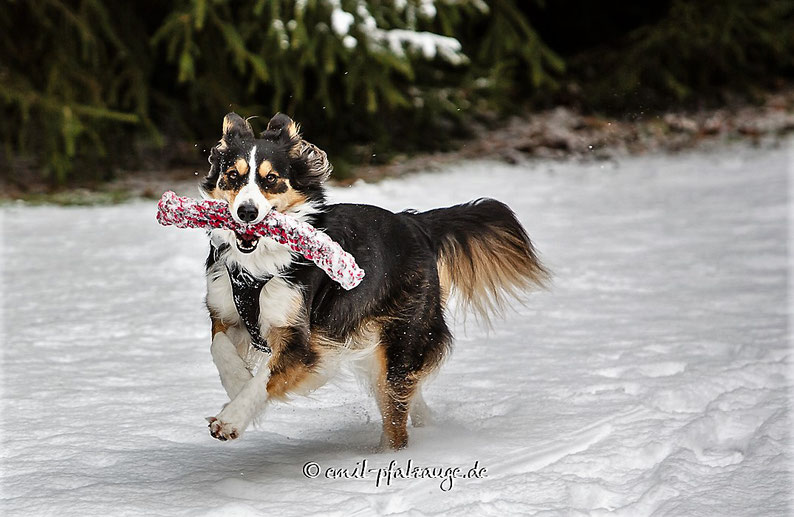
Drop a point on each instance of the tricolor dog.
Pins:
(281, 326)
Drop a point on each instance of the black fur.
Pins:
(401, 285)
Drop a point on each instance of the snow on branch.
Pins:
(430, 45)
(395, 40)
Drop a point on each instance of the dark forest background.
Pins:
(89, 88)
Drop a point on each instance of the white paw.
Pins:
(223, 430)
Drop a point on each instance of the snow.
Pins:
(427, 8)
(428, 43)
(341, 21)
(652, 379)
(349, 42)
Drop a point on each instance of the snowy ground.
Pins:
(652, 379)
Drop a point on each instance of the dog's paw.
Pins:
(391, 445)
(221, 430)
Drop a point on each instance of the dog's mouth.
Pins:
(246, 243)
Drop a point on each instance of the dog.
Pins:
(391, 327)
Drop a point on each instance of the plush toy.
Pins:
(184, 212)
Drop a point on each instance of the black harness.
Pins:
(245, 291)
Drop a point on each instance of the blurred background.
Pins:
(93, 91)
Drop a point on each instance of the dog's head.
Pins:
(278, 171)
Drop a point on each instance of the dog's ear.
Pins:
(235, 126)
(309, 163)
(281, 128)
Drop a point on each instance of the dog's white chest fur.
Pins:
(279, 300)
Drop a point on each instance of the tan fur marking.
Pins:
(282, 382)
(394, 400)
(445, 284)
(286, 200)
(285, 378)
(227, 124)
(296, 150)
(277, 339)
(319, 341)
(368, 332)
(293, 129)
(394, 427)
(241, 165)
(218, 326)
(288, 377)
(226, 195)
(266, 168)
(497, 267)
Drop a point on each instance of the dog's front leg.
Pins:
(230, 365)
(289, 369)
(235, 417)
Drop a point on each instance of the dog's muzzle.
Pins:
(247, 212)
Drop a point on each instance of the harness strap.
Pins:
(245, 291)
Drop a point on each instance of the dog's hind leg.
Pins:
(406, 355)
(393, 392)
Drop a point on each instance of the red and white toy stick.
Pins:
(184, 212)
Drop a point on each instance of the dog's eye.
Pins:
(271, 178)
(232, 174)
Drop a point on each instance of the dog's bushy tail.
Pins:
(483, 254)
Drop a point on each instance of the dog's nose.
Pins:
(247, 212)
